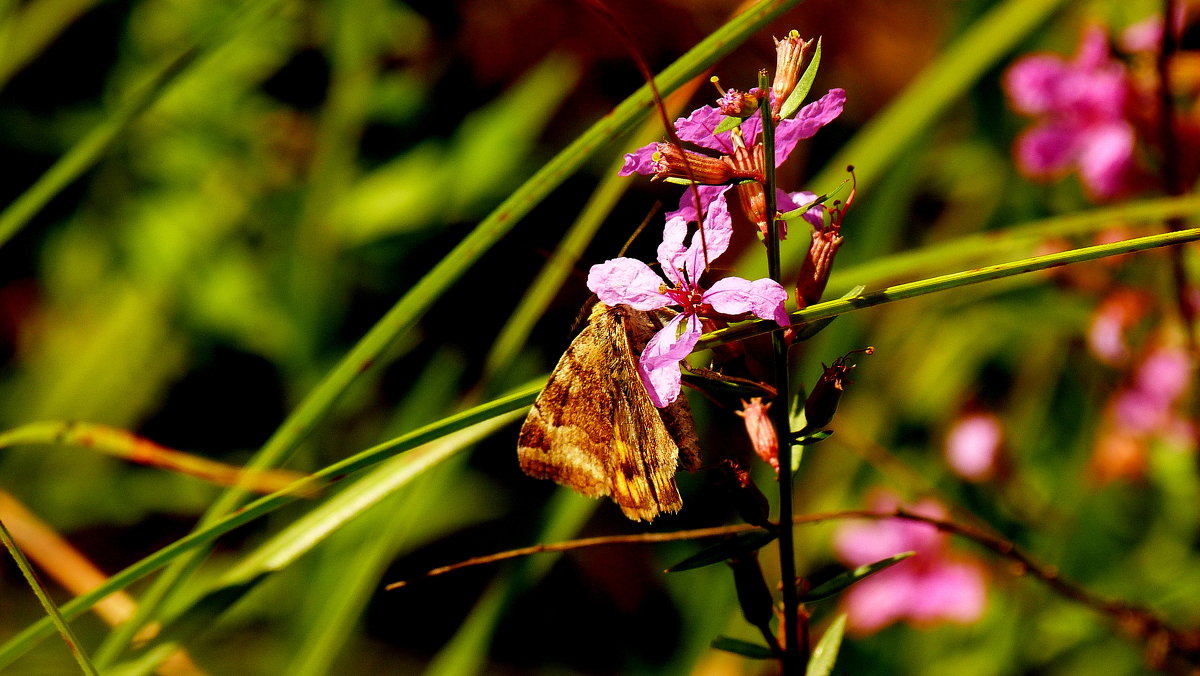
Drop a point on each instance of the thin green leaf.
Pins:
(812, 437)
(946, 282)
(796, 98)
(740, 544)
(52, 612)
(755, 651)
(840, 582)
(824, 656)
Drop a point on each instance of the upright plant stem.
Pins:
(794, 658)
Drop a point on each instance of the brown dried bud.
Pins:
(760, 430)
(790, 54)
(823, 401)
(814, 273)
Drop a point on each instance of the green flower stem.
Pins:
(952, 281)
(64, 629)
(23, 642)
(795, 654)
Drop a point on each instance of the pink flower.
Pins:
(1080, 106)
(698, 128)
(932, 586)
(1147, 405)
(631, 282)
(973, 446)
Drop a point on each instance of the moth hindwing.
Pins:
(594, 429)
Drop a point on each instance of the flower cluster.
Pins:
(1081, 110)
(933, 586)
(701, 229)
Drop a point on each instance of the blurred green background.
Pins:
(301, 165)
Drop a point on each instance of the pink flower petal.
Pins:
(878, 601)
(815, 216)
(698, 128)
(626, 281)
(1032, 83)
(1047, 149)
(687, 203)
(640, 161)
(806, 123)
(1106, 159)
(659, 363)
(949, 590)
(763, 297)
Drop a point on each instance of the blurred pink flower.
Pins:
(1119, 311)
(1080, 111)
(933, 586)
(1143, 410)
(1146, 35)
(973, 446)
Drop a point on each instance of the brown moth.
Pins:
(594, 429)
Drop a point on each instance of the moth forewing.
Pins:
(594, 429)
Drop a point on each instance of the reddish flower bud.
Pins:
(760, 430)
(814, 272)
(736, 103)
(790, 54)
(823, 401)
(672, 161)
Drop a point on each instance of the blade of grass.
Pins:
(517, 400)
(64, 629)
(970, 247)
(29, 30)
(88, 150)
(891, 294)
(128, 446)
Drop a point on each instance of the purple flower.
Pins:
(631, 282)
(932, 586)
(698, 128)
(1080, 106)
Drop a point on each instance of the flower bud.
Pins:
(671, 161)
(790, 54)
(760, 430)
(823, 401)
(736, 103)
(814, 272)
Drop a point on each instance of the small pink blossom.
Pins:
(973, 446)
(1080, 111)
(631, 282)
(933, 586)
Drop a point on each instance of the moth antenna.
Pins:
(622, 32)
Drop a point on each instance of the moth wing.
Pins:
(593, 427)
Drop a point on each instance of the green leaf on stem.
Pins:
(811, 437)
(730, 122)
(825, 654)
(754, 651)
(792, 104)
(841, 582)
(742, 543)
